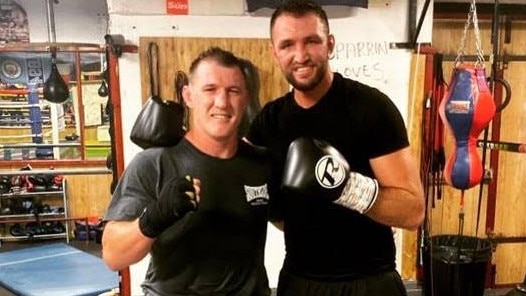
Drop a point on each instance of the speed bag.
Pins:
(466, 110)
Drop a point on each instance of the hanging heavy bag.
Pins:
(160, 122)
(466, 110)
(252, 79)
(180, 81)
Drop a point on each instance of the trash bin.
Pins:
(456, 265)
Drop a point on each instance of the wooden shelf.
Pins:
(25, 218)
(29, 195)
(65, 234)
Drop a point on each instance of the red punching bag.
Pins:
(466, 110)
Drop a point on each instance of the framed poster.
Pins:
(14, 26)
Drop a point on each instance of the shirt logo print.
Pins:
(257, 195)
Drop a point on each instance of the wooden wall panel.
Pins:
(510, 210)
(88, 195)
(177, 53)
(511, 189)
(510, 262)
(414, 129)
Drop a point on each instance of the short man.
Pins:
(199, 208)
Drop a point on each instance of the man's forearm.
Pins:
(123, 244)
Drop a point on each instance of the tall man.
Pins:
(339, 246)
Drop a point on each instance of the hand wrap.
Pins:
(176, 199)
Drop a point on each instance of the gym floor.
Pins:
(94, 248)
(89, 247)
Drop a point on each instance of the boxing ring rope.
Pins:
(26, 136)
(20, 106)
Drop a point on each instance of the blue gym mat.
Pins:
(55, 270)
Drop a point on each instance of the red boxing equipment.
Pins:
(466, 110)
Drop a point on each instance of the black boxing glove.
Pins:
(314, 168)
(176, 199)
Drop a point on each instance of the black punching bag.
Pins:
(181, 79)
(252, 79)
(103, 88)
(55, 89)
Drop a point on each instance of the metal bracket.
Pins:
(115, 43)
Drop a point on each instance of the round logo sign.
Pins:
(11, 69)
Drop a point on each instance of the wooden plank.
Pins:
(177, 53)
(88, 195)
(510, 259)
(414, 129)
(510, 216)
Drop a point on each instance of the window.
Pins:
(34, 130)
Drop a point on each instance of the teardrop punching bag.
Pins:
(103, 90)
(466, 110)
(55, 89)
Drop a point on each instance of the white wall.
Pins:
(87, 21)
(81, 21)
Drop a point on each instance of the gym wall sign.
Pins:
(177, 7)
(22, 68)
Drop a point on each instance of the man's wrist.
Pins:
(360, 193)
(145, 225)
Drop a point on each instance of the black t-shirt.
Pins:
(324, 240)
(217, 250)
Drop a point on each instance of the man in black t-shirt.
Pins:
(199, 208)
(342, 246)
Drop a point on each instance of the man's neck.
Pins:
(223, 149)
(307, 99)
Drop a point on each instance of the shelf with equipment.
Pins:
(33, 206)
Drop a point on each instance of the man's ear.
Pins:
(330, 44)
(187, 96)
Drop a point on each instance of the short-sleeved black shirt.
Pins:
(324, 240)
(217, 250)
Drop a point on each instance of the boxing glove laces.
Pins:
(176, 199)
(315, 168)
